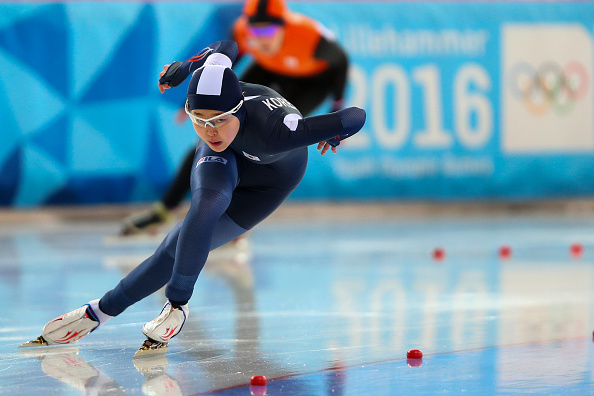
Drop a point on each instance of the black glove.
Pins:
(352, 120)
(171, 76)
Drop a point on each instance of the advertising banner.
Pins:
(464, 100)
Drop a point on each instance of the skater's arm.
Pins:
(294, 131)
(175, 73)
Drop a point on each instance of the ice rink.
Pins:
(323, 301)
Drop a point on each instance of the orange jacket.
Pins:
(296, 55)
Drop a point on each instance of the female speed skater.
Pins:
(255, 155)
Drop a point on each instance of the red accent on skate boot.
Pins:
(58, 318)
(168, 333)
(69, 338)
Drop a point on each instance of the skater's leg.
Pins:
(152, 274)
(172, 318)
(145, 279)
(204, 215)
(259, 193)
(225, 230)
(155, 271)
(214, 178)
(213, 182)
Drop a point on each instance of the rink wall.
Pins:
(465, 101)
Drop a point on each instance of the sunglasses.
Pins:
(264, 31)
(214, 122)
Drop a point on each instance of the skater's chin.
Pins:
(217, 146)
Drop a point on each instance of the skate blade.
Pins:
(38, 342)
(155, 364)
(151, 348)
(49, 350)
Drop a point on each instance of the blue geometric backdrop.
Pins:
(82, 118)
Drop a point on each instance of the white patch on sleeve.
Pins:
(218, 59)
(211, 80)
(291, 121)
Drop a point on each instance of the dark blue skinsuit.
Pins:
(232, 190)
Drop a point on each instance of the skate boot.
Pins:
(162, 329)
(70, 327)
(146, 221)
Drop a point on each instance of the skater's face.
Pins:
(219, 136)
(267, 37)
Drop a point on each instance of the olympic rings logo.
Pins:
(549, 87)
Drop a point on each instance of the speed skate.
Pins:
(159, 331)
(71, 327)
(151, 348)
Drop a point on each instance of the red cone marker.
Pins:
(258, 380)
(576, 249)
(438, 254)
(505, 252)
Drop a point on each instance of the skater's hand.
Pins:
(163, 87)
(171, 76)
(352, 119)
(324, 146)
